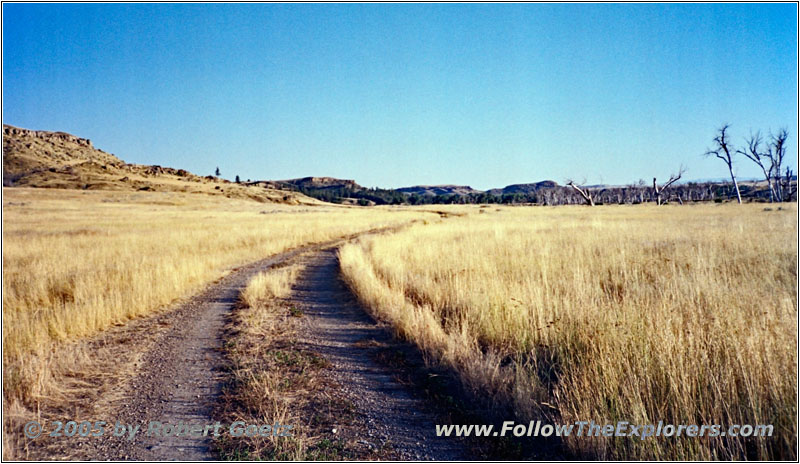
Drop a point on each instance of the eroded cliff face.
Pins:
(29, 152)
(11, 131)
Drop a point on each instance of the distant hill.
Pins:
(320, 183)
(349, 192)
(342, 191)
(45, 159)
(438, 190)
(524, 189)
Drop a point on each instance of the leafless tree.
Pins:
(754, 153)
(776, 150)
(672, 179)
(725, 151)
(642, 186)
(787, 189)
(584, 192)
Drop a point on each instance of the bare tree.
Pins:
(672, 179)
(642, 186)
(776, 150)
(725, 151)
(787, 189)
(753, 152)
(584, 192)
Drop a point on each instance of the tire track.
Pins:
(180, 375)
(391, 413)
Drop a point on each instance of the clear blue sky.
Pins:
(402, 94)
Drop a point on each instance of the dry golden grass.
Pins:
(640, 314)
(256, 391)
(273, 378)
(75, 263)
(267, 285)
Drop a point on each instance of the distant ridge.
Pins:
(320, 183)
(524, 188)
(35, 158)
(44, 159)
(439, 190)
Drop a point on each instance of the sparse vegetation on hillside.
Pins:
(642, 314)
(59, 160)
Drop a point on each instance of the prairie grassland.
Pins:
(75, 262)
(685, 315)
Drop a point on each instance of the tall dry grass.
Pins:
(639, 314)
(75, 263)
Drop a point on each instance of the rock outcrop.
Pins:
(11, 131)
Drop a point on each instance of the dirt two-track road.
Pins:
(180, 371)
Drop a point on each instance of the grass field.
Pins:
(684, 315)
(75, 263)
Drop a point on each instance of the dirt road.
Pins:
(178, 374)
(391, 412)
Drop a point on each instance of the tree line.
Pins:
(636, 193)
(767, 152)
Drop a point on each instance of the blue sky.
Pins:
(402, 94)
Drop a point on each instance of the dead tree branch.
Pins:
(725, 151)
(776, 151)
(753, 153)
(672, 179)
(584, 192)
